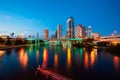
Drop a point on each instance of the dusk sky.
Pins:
(32, 16)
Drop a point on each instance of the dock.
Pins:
(43, 74)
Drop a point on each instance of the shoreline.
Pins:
(5, 47)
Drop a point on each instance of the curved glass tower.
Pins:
(70, 28)
(89, 32)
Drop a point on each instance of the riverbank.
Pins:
(5, 47)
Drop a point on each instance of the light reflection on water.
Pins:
(56, 60)
(116, 62)
(1, 55)
(93, 57)
(23, 58)
(37, 56)
(45, 57)
(86, 63)
(70, 60)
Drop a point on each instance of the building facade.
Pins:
(56, 34)
(59, 31)
(80, 31)
(89, 32)
(70, 28)
(46, 31)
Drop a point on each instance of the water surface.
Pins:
(75, 63)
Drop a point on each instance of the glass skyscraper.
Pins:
(70, 28)
(89, 32)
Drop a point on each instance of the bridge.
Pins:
(37, 41)
(55, 42)
(112, 39)
(65, 42)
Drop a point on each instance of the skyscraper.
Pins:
(59, 31)
(80, 31)
(46, 33)
(89, 32)
(56, 34)
(70, 27)
(37, 35)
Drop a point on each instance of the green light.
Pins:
(81, 53)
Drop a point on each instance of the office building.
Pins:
(80, 31)
(70, 28)
(89, 32)
(59, 31)
(56, 34)
(46, 33)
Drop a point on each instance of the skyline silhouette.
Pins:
(32, 16)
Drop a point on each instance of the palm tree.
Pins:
(12, 34)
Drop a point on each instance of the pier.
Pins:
(43, 74)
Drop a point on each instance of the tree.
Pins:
(1, 40)
(8, 41)
(12, 34)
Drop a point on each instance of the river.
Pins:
(75, 63)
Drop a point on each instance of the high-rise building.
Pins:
(80, 31)
(37, 35)
(56, 34)
(59, 31)
(89, 32)
(46, 33)
(70, 28)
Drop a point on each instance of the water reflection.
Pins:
(78, 52)
(8, 52)
(1, 55)
(81, 54)
(23, 58)
(116, 62)
(69, 57)
(56, 60)
(75, 62)
(86, 60)
(45, 57)
(31, 49)
(37, 56)
(93, 57)
(58, 49)
(90, 59)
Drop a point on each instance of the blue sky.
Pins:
(32, 16)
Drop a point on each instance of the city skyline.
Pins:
(39, 15)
